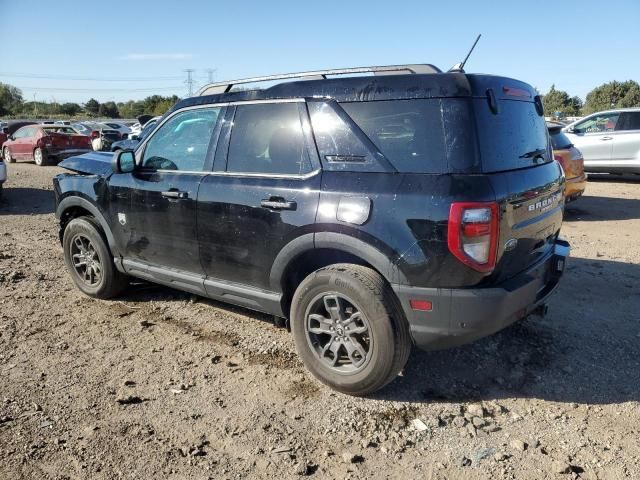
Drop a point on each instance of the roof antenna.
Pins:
(459, 67)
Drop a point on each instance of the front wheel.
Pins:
(89, 261)
(39, 157)
(349, 328)
(7, 156)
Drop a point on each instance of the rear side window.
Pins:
(513, 138)
(629, 121)
(409, 133)
(559, 140)
(267, 138)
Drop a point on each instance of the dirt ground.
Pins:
(161, 384)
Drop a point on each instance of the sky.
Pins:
(66, 50)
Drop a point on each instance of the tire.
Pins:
(7, 156)
(371, 334)
(101, 281)
(40, 157)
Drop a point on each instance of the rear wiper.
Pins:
(534, 153)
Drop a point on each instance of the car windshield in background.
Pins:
(58, 129)
(559, 140)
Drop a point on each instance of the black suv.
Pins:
(373, 208)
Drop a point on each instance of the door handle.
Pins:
(175, 194)
(278, 203)
(606, 138)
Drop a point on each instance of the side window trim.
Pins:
(208, 163)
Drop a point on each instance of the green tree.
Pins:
(559, 101)
(108, 109)
(92, 106)
(613, 95)
(70, 109)
(10, 99)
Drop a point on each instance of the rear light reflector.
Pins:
(473, 234)
(423, 305)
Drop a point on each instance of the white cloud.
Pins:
(156, 56)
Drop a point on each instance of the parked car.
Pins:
(45, 143)
(372, 212)
(120, 127)
(62, 122)
(609, 141)
(101, 135)
(136, 128)
(9, 129)
(132, 142)
(571, 160)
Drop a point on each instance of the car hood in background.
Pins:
(94, 163)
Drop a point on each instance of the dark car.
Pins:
(370, 212)
(132, 143)
(44, 144)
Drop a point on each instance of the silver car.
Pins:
(609, 141)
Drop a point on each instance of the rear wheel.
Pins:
(40, 157)
(7, 156)
(89, 261)
(349, 328)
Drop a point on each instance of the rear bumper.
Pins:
(62, 153)
(574, 187)
(461, 316)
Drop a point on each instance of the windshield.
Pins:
(60, 129)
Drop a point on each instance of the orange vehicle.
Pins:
(571, 160)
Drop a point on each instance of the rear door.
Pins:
(262, 194)
(529, 186)
(626, 145)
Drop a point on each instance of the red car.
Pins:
(44, 144)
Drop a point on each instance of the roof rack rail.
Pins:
(224, 87)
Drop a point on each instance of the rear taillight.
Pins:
(473, 234)
(95, 134)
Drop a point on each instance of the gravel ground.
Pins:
(162, 384)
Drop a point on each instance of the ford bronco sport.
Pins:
(373, 208)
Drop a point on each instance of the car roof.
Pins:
(390, 86)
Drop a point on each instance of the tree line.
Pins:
(606, 96)
(556, 102)
(12, 104)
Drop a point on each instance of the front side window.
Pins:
(22, 133)
(182, 142)
(598, 124)
(267, 138)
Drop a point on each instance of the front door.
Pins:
(21, 147)
(155, 206)
(594, 138)
(261, 196)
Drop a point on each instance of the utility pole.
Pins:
(35, 106)
(210, 72)
(189, 80)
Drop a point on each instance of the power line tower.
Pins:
(210, 72)
(189, 80)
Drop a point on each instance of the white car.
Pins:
(609, 141)
(120, 127)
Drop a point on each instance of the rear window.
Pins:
(513, 138)
(65, 130)
(559, 140)
(409, 133)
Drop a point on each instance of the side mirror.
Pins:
(124, 161)
(11, 137)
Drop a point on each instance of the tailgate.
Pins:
(532, 202)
